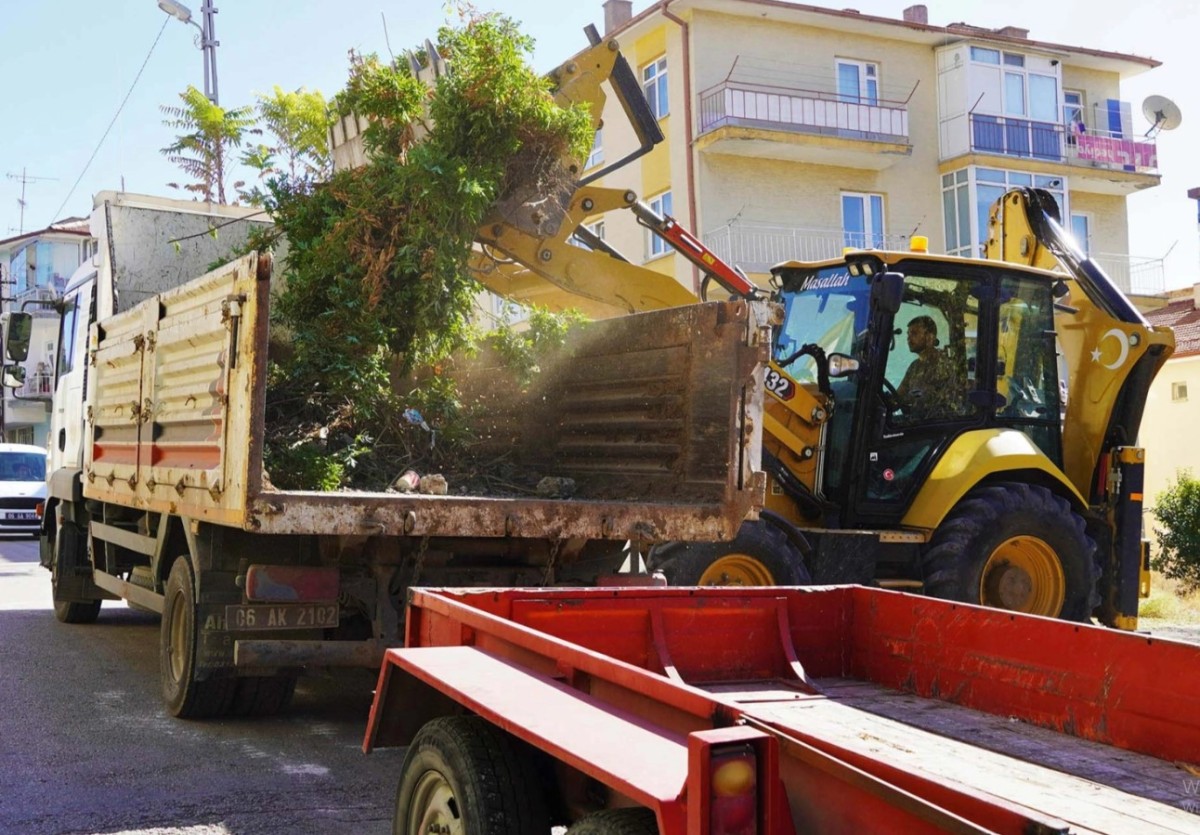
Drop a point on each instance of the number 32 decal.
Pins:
(779, 385)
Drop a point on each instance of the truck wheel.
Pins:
(639, 821)
(462, 774)
(67, 555)
(761, 555)
(186, 697)
(1017, 547)
(263, 695)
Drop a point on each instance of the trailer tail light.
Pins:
(290, 584)
(733, 806)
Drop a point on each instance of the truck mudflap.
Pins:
(916, 694)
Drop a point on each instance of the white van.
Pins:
(22, 488)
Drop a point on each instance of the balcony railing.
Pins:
(757, 248)
(1133, 274)
(1076, 144)
(801, 111)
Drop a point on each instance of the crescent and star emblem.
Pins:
(1122, 341)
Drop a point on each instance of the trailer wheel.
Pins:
(1017, 547)
(761, 555)
(67, 554)
(633, 821)
(462, 774)
(185, 696)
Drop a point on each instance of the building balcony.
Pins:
(796, 114)
(1100, 160)
(758, 247)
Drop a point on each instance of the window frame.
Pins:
(868, 77)
(654, 75)
(596, 155)
(656, 247)
(874, 234)
(1179, 391)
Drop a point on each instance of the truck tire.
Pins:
(633, 821)
(761, 555)
(262, 695)
(463, 774)
(185, 696)
(67, 547)
(1017, 547)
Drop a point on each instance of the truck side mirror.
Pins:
(18, 333)
(13, 376)
(887, 292)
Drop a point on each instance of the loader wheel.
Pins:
(639, 821)
(1017, 547)
(69, 538)
(761, 555)
(462, 774)
(185, 696)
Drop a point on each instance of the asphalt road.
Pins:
(86, 747)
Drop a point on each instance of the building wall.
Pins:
(1168, 429)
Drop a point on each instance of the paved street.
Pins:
(86, 746)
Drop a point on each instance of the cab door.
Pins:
(903, 427)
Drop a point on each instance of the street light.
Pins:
(208, 40)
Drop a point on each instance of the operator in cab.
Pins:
(930, 380)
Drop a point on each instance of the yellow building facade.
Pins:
(793, 131)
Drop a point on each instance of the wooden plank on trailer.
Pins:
(1095, 787)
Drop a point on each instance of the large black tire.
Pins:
(184, 695)
(262, 695)
(1017, 547)
(69, 538)
(761, 555)
(466, 775)
(639, 821)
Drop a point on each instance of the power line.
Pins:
(136, 78)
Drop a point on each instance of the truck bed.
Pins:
(879, 701)
(655, 417)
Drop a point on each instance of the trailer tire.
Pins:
(69, 611)
(465, 774)
(1017, 547)
(632, 821)
(263, 695)
(760, 555)
(185, 696)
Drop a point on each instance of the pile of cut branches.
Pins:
(377, 293)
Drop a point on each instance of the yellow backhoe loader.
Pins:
(965, 427)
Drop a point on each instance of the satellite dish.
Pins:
(1162, 113)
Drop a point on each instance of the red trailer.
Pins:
(781, 710)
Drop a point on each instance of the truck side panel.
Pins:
(173, 382)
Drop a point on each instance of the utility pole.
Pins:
(24, 179)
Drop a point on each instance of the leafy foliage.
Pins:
(378, 284)
(296, 125)
(210, 133)
(1177, 511)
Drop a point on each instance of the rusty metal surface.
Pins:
(655, 417)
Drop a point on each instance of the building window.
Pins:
(596, 229)
(596, 157)
(661, 206)
(1178, 392)
(857, 82)
(1081, 228)
(654, 85)
(974, 190)
(862, 220)
(1073, 108)
(86, 250)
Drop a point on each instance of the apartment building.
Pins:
(793, 131)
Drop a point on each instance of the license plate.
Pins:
(22, 517)
(282, 616)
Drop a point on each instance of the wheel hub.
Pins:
(434, 808)
(1024, 574)
(737, 570)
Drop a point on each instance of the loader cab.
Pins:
(942, 346)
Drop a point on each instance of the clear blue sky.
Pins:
(66, 65)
